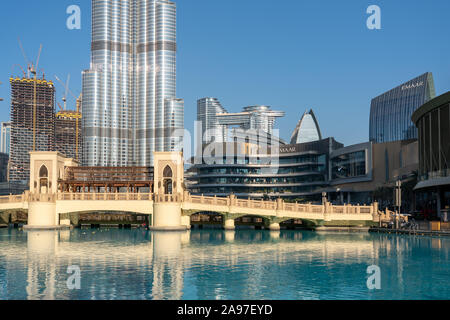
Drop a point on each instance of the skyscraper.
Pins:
(22, 105)
(207, 110)
(5, 142)
(132, 73)
(390, 113)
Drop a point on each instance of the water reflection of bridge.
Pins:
(196, 264)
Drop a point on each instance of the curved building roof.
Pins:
(307, 129)
(430, 106)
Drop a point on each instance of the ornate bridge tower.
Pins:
(169, 189)
(46, 168)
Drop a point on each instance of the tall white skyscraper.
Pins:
(132, 75)
(207, 110)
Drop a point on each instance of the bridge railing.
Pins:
(70, 196)
(168, 198)
(281, 205)
(351, 209)
(13, 198)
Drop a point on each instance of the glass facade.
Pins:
(294, 171)
(434, 139)
(390, 113)
(132, 73)
(349, 165)
(307, 129)
(174, 121)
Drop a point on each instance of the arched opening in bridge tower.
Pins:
(168, 183)
(43, 179)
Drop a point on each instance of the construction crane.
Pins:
(32, 69)
(1, 99)
(66, 86)
(67, 90)
(18, 65)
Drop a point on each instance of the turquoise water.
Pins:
(215, 264)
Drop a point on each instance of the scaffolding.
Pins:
(26, 94)
(68, 133)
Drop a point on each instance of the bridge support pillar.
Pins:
(229, 224)
(167, 217)
(186, 221)
(42, 215)
(274, 227)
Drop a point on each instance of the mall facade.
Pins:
(296, 172)
(433, 188)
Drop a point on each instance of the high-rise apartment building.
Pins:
(5, 140)
(132, 74)
(207, 110)
(390, 113)
(22, 118)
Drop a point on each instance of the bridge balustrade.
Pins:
(169, 198)
(13, 199)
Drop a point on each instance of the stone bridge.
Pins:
(170, 212)
(169, 205)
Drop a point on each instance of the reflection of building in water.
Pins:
(168, 265)
(41, 265)
(141, 269)
(213, 265)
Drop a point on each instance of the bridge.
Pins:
(169, 206)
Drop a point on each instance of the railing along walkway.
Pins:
(230, 201)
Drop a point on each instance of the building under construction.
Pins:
(68, 133)
(23, 99)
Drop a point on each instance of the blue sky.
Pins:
(290, 54)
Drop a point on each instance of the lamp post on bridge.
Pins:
(398, 201)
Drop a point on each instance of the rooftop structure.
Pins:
(307, 129)
(253, 117)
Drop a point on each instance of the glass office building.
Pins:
(390, 113)
(132, 74)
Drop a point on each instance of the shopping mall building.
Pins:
(433, 188)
